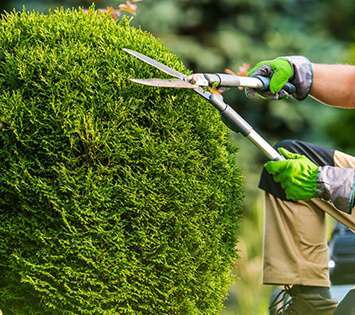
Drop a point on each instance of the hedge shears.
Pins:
(205, 85)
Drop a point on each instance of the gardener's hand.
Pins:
(279, 70)
(297, 175)
(294, 69)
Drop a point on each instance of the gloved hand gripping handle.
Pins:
(239, 125)
(288, 87)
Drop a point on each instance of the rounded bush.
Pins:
(114, 198)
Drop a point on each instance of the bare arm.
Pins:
(334, 85)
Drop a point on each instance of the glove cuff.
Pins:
(337, 185)
(303, 75)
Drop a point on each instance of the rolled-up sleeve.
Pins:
(337, 185)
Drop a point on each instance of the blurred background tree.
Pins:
(213, 35)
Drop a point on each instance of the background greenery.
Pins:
(212, 35)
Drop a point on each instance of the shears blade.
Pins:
(168, 83)
(156, 64)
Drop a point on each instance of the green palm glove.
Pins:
(279, 69)
(297, 175)
(297, 70)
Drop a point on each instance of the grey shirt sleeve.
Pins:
(303, 75)
(337, 185)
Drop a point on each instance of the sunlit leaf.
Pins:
(128, 7)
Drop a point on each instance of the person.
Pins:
(300, 190)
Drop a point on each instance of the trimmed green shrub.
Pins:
(114, 198)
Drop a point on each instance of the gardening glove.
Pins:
(294, 69)
(297, 175)
(301, 179)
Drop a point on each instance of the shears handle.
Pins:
(260, 83)
(288, 87)
(236, 123)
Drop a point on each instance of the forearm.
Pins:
(334, 85)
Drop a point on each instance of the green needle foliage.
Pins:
(114, 198)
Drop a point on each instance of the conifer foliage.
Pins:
(114, 198)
